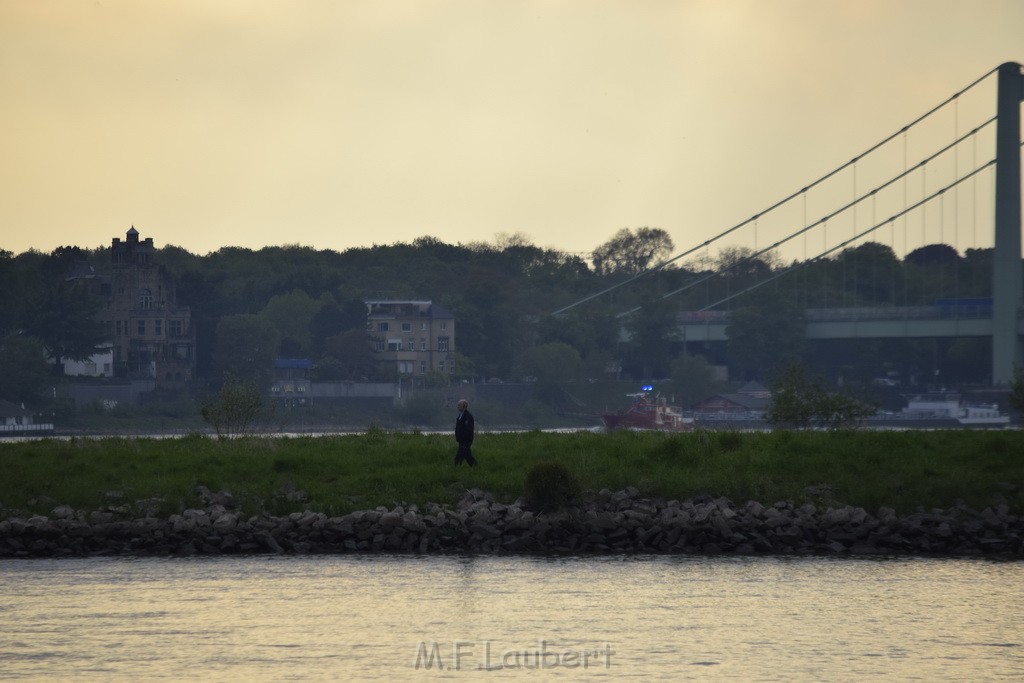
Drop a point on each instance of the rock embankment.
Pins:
(607, 522)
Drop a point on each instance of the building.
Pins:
(413, 337)
(15, 420)
(100, 364)
(290, 384)
(152, 335)
(749, 403)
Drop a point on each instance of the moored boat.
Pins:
(648, 411)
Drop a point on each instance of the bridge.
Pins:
(943, 180)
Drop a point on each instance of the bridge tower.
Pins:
(1007, 287)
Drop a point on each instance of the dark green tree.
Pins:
(66, 323)
(247, 346)
(1017, 390)
(551, 364)
(26, 372)
(348, 356)
(653, 336)
(629, 252)
(764, 336)
(693, 379)
(234, 409)
(800, 402)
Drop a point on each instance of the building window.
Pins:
(444, 325)
(440, 366)
(378, 345)
(423, 367)
(406, 327)
(174, 328)
(394, 344)
(382, 327)
(423, 327)
(146, 300)
(442, 343)
(141, 328)
(423, 344)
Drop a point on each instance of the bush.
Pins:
(550, 486)
(233, 411)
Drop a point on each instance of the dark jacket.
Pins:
(464, 428)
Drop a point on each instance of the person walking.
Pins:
(464, 428)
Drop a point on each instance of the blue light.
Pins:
(647, 387)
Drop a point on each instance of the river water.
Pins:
(387, 618)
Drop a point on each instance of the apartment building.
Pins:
(416, 336)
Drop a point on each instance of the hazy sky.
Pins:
(341, 123)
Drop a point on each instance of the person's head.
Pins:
(462, 405)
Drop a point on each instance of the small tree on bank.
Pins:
(799, 402)
(1017, 390)
(234, 409)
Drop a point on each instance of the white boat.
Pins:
(982, 415)
(949, 406)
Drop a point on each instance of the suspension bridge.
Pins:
(935, 181)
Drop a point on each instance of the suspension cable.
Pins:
(822, 221)
(784, 201)
(854, 238)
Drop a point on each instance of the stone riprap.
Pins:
(605, 523)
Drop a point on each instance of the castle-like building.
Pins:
(152, 335)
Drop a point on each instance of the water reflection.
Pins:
(370, 618)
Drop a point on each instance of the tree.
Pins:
(292, 314)
(692, 378)
(933, 255)
(630, 253)
(247, 345)
(552, 363)
(348, 356)
(66, 324)
(1017, 390)
(233, 411)
(794, 400)
(764, 336)
(654, 332)
(800, 402)
(739, 262)
(26, 371)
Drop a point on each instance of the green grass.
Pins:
(904, 470)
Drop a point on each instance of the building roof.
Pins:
(744, 401)
(426, 308)
(439, 311)
(754, 388)
(8, 409)
(81, 271)
(293, 363)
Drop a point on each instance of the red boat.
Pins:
(648, 411)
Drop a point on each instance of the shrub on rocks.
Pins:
(550, 486)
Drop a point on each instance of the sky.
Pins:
(344, 123)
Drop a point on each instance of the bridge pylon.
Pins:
(1007, 281)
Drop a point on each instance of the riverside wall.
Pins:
(621, 522)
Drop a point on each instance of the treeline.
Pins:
(302, 302)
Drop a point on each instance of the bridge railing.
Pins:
(939, 311)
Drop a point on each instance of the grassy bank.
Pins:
(338, 474)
